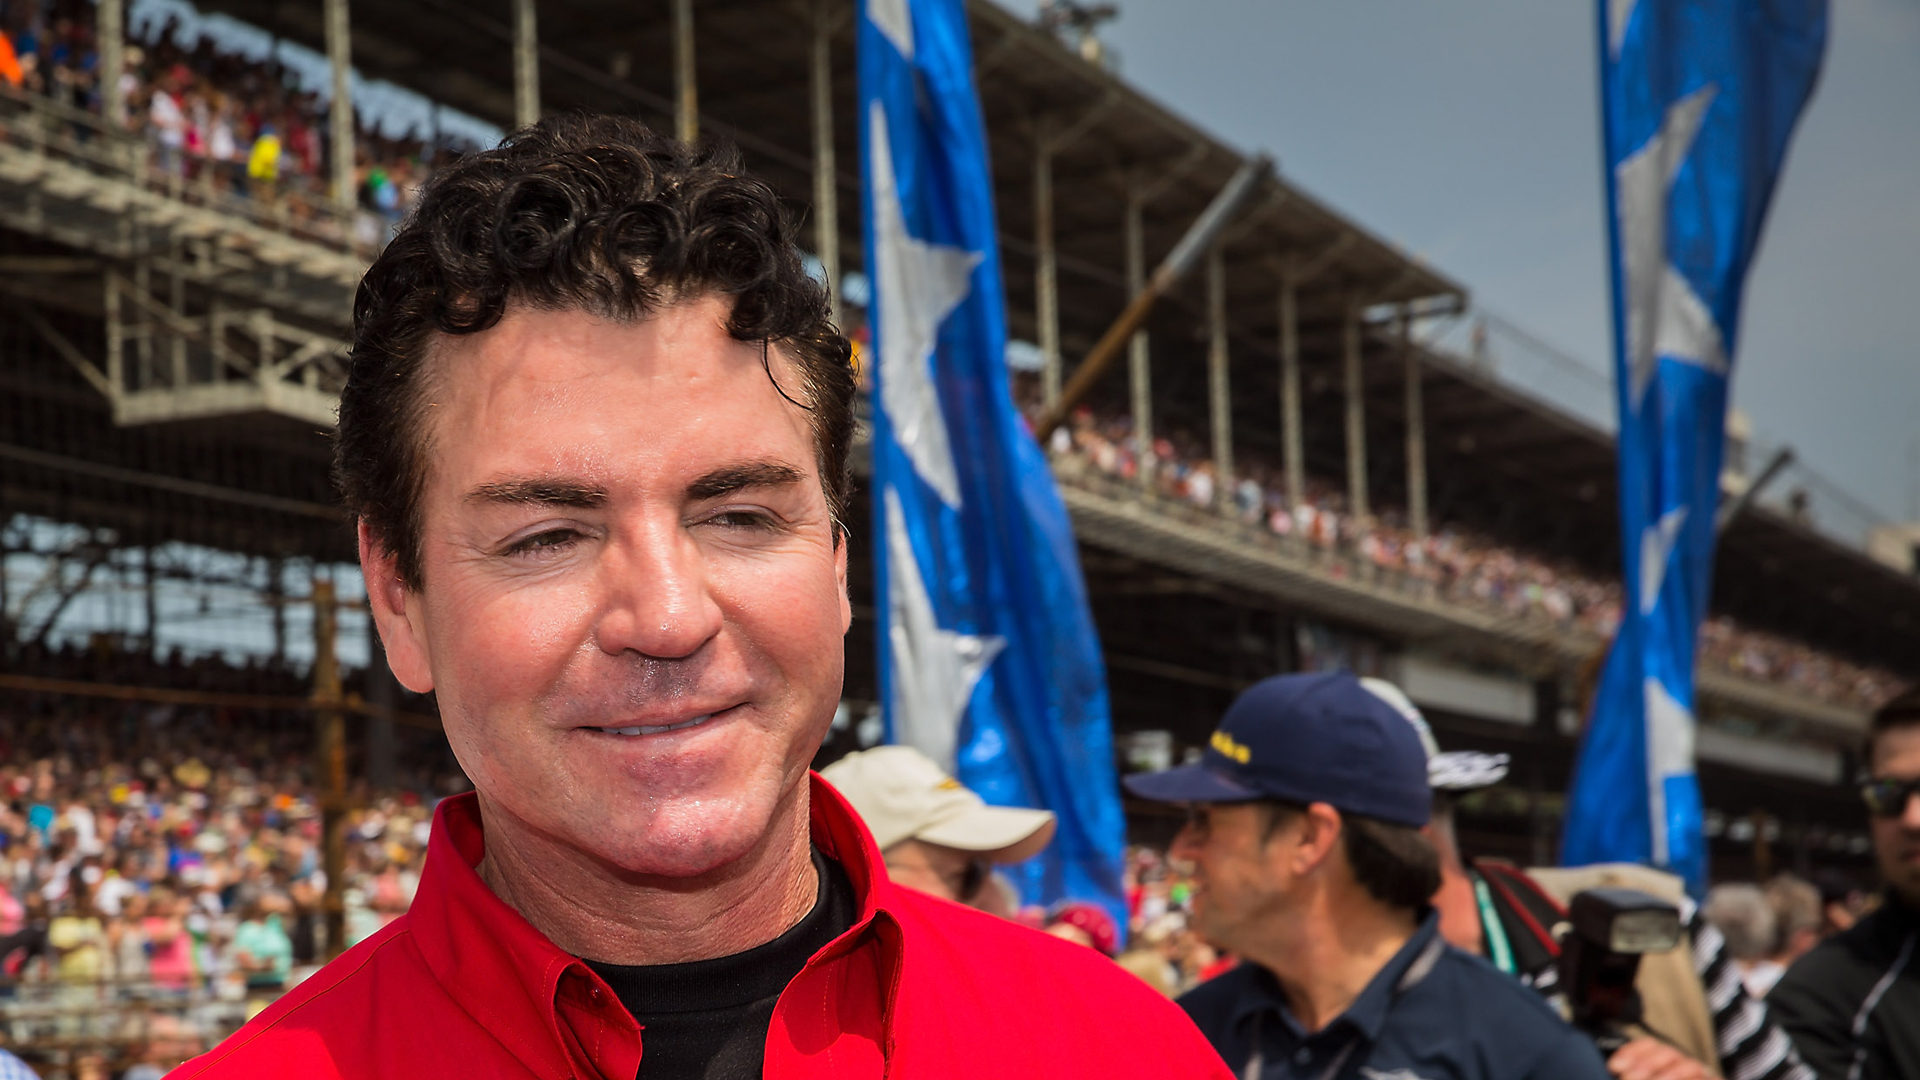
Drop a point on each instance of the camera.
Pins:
(1608, 930)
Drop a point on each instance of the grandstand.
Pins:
(171, 345)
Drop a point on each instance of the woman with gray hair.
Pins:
(1743, 916)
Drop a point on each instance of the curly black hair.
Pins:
(578, 212)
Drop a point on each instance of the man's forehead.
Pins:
(572, 388)
(1896, 751)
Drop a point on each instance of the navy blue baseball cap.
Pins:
(1309, 738)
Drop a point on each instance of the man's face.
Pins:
(1241, 878)
(632, 604)
(1896, 840)
(948, 873)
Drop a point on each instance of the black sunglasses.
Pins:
(974, 878)
(1888, 798)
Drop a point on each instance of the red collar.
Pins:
(515, 982)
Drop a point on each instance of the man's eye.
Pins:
(551, 540)
(742, 519)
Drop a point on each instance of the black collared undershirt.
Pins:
(708, 1019)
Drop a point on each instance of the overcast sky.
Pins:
(1467, 131)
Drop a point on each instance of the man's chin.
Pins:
(1906, 887)
(687, 841)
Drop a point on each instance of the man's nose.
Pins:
(659, 600)
(1186, 845)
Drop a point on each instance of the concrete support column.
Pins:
(1219, 394)
(1046, 281)
(526, 65)
(340, 128)
(116, 340)
(1356, 415)
(111, 20)
(143, 340)
(826, 193)
(1416, 429)
(1293, 453)
(150, 602)
(277, 598)
(1139, 359)
(686, 89)
(177, 303)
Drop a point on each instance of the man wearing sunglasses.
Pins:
(1852, 1005)
(934, 834)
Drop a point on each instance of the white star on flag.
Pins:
(934, 669)
(894, 20)
(1656, 550)
(1665, 316)
(1670, 737)
(917, 285)
(1619, 14)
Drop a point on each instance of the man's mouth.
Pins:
(655, 729)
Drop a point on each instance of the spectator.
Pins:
(12, 1068)
(77, 937)
(1852, 1004)
(935, 835)
(11, 72)
(1740, 911)
(168, 122)
(1799, 922)
(651, 858)
(127, 944)
(1304, 831)
(1086, 924)
(1841, 902)
(263, 164)
(171, 962)
(262, 951)
(1707, 1021)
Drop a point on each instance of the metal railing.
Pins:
(1339, 561)
(1520, 612)
(115, 1019)
(85, 140)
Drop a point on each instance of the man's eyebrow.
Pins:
(542, 490)
(732, 478)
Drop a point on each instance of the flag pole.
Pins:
(1200, 236)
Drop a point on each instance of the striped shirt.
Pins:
(1752, 1045)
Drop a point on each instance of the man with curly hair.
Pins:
(595, 434)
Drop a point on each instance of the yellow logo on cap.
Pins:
(949, 784)
(1224, 743)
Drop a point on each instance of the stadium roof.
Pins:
(753, 63)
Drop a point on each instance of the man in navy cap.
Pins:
(1306, 813)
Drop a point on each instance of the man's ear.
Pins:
(1320, 828)
(394, 613)
(840, 576)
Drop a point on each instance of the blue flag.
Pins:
(989, 661)
(1699, 98)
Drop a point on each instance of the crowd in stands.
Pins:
(215, 123)
(161, 865)
(1459, 562)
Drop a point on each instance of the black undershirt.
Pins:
(708, 1019)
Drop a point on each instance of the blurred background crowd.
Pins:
(1464, 565)
(160, 867)
(218, 125)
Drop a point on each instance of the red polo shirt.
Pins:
(462, 986)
